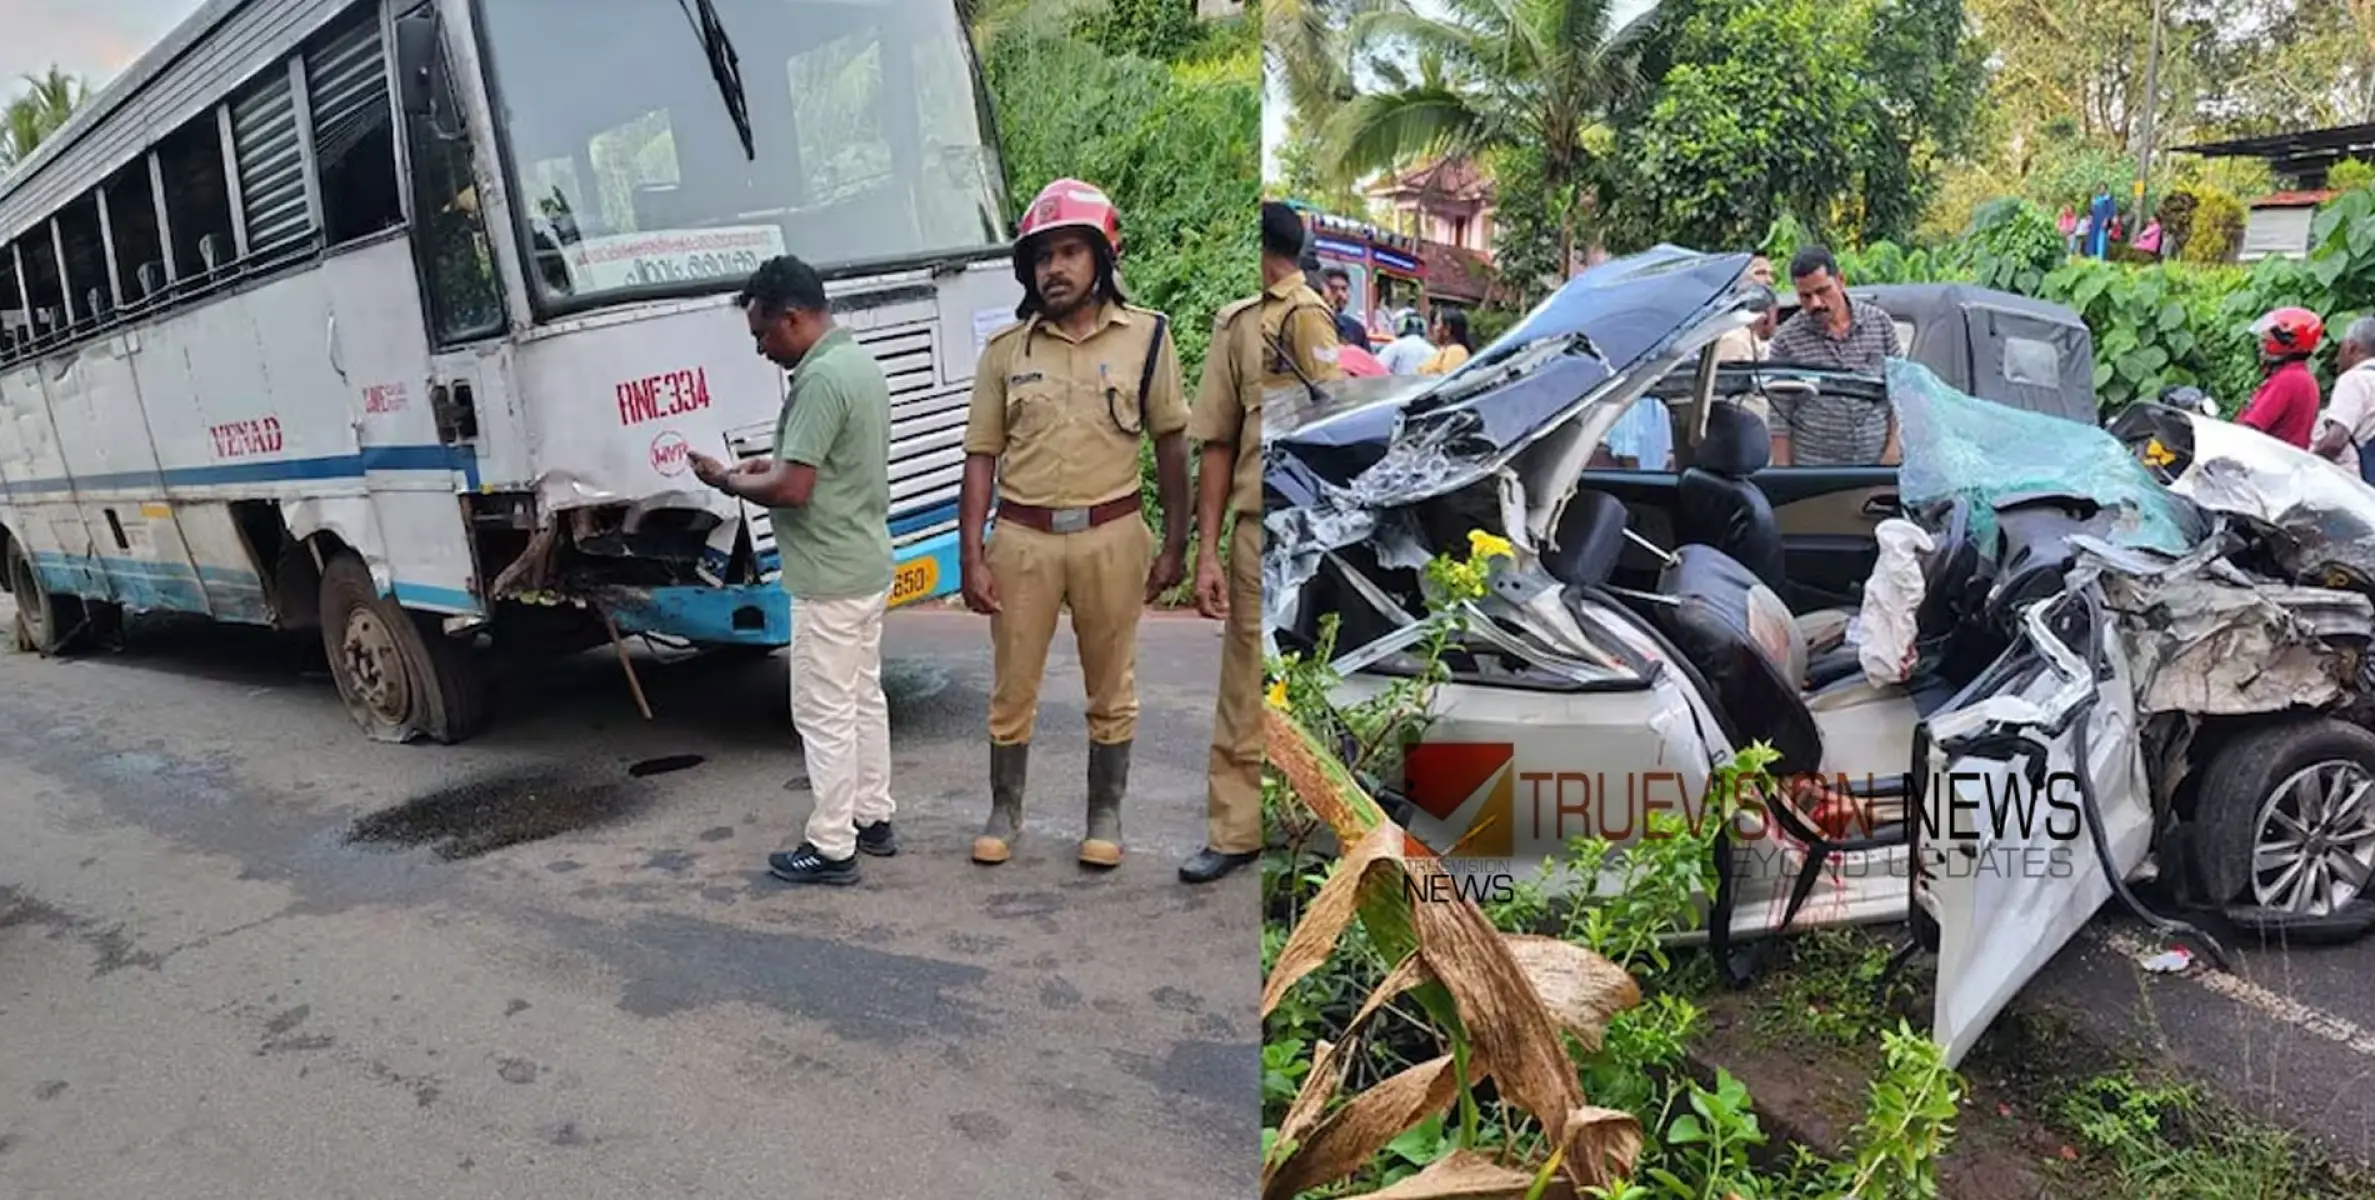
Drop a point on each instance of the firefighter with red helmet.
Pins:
(1061, 401)
(2285, 406)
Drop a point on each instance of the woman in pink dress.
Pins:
(2149, 241)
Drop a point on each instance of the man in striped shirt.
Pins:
(1836, 331)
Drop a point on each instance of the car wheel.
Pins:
(2286, 820)
(400, 676)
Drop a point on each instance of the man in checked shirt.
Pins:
(1833, 330)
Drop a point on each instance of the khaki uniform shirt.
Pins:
(1062, 415)
(1251, 342)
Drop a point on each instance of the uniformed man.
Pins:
(1283, 337)
(1060, 402)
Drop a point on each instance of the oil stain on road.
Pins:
(484, 815)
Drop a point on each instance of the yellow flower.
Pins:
(1482, 545)
(1277, 695)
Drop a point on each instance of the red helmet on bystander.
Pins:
(2289, 333)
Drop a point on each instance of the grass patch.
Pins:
(1828, 989)
(2161, 1140)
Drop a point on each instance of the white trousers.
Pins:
(843, 721)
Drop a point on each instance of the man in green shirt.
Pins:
(828, 490)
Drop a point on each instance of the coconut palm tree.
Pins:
(48, 101)
(1496, 75)
(1309, 59)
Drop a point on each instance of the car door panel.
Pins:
(1829, 517)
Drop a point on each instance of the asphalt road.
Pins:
(2287, 1037)
(580, 983)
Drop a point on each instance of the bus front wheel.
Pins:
(399, 674)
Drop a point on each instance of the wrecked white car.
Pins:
(2063, 676)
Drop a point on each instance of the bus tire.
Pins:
(47, 623)
(399, 675)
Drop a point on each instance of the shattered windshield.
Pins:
(1958, 446)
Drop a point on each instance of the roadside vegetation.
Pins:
(1417, 1044)
(1421, 1045)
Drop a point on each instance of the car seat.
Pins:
(1739, 638)
(1734, 635)
(1719, 505)
(1588, 540)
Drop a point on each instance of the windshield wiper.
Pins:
(725, 66)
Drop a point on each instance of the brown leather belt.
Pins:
(1068, 520)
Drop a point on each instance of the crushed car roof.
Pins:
(1336, 455)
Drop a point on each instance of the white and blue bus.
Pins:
(397, 318)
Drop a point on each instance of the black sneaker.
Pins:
(805, 865)
(878, 839)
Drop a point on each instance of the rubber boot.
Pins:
(1009, 766)
(1109, 780)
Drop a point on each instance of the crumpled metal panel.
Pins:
(2201, 637)
(2323, 514)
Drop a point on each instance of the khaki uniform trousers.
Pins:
(1233, 795)
(1100, 575)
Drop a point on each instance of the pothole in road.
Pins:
(485, 815)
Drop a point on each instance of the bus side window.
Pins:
(354, 135)
(449, 233)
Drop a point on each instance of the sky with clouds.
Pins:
(91, 38)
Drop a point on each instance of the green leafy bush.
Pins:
(2013, 244)
(2351, 174)
(2215, 233)
(1176, 144)
(2176, 215)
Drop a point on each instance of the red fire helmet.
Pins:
(2289, 333)
(1071, 204)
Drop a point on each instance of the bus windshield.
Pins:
(868, 131)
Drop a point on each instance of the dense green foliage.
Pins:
(1175, 140)
(1837, 114)
(1739, 128)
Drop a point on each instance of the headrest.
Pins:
(1736, 443)
(1588, 541)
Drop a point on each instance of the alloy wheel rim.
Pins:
(2314, 846)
